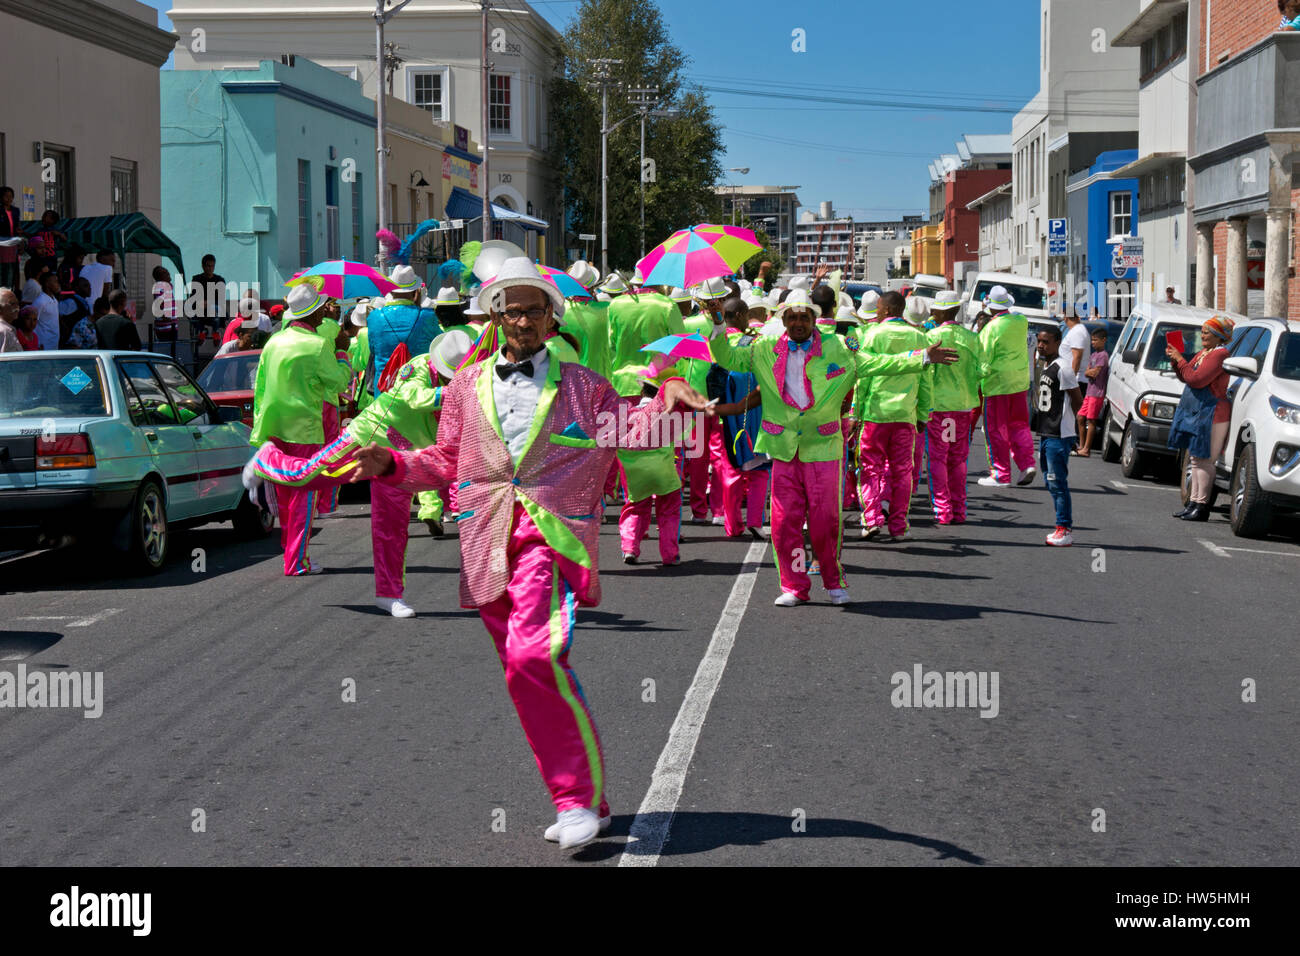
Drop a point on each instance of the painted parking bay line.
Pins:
(1124, 487)
(650, 827)
(1222, 551)
(74, 621)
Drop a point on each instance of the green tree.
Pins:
(685, 149)
(769, 253)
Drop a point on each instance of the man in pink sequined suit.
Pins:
(526, 438)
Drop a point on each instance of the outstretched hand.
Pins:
(677, 392)
(938, 355)
(375, 461)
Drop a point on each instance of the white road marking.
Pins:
(1215, 549)
(650, 827)
(76, 622)
(1284, 554)
(1123, 487)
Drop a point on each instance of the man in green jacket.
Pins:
(803, 378)
(1004, 379)
(297, 374)
(955, 395)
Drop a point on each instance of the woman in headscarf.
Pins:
(1201, 422)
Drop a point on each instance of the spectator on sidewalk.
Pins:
(115, 329)
(26, 329)
(44, 245)
(10, 228)
(1094, 401)
(163, 308)
(1054, 423)
(76, 331)
(47, 312)
(9, 308)
(1204, 415)
(1076, 345)
(32, 273)
(1170, 298)
(70, 269)
(210, 291)
(245, 338)
(99, 274)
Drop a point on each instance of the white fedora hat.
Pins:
(302, 301)
(473, 308)
(945, 300)
(405, 279)
(754, 300)
(585, 273)
(515, 272)
(916, 310)
(845, 313)
(680, 295)
(614, 284)
(800, 282)
(999, 299)
(799, 299)
(638, 279)
(448, 350)
(447, 295)
(359, 311)
(869, 308)
(711, 289)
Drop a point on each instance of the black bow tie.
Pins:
(506, 369)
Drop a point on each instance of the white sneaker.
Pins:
(1028, 477)
(395, 606)
(870, 531)
(576, 827)
(789, 600)
(313, 567)
(1060, 538)
(988, 481)
(552, 834)
(718, 520)
(839, 596)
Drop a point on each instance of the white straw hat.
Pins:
(303, 300)
(515, 272)
(916, 310)
(711, 289)
(870, 305)
(614, 284)
(798, 299)
(448, 350)
(945, 300)
(447, 295)
(585, 273)
(1000, 299)
(405, 279)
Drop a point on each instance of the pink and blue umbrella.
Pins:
(689, 256)
(344, 279)
(678, 346)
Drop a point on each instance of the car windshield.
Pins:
(925, 292)
(1287, 364)
(1025, 296)
(1157, 360)
(234, 373)
(51, 388)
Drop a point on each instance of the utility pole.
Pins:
(391, 62)
(603, 79)
(644, 98)
(382, 15)
(483, 121)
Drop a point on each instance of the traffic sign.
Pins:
(586, 237)
(1057, 229)
(1057, 247)
(1255, 274)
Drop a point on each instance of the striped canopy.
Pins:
(130, 232)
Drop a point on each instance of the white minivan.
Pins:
(1143, 391)
(1029, 294)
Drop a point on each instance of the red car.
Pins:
(229, 380)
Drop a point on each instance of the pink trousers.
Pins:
(748, 489)
(390, 519)
(724, 472)
(532, 626)
(948, 437)
(696, 470)
(1006, 420)
(634, 522)
(807, 490)
(888, 458)
(329, 498)
(297, 506)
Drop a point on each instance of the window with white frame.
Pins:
(500, 117)
(428, 90)
(349, 71)
(1121, 214)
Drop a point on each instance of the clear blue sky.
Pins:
(869, 161)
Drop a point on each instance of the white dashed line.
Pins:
(1215, 549)
(650, 827)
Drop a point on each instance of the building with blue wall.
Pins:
(270, 169)
(1102, 209)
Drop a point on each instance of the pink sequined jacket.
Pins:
(559, 479)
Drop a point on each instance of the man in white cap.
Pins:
(803, 379)
(1004, 381)
(298, 373)
(526, 437)
(400, 330)
(954, 393)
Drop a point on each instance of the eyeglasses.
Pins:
(532, 315)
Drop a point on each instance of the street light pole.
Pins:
(602, 75)
(644, 98)
(483, 122)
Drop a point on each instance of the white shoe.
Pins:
(788, 600)
(718, 520)
(313, 567)
(552, 834)
(870, 531)
(576, 827)
(395, 606)
(988, 481)
(1028, 477)
(1060, 538)
(839, 596)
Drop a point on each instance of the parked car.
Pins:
(1112, 328)
(858, 289)
(1030, 295)
(928, 286)
(1143, 390)
(229, 380)
(1260, 467)
(118, 447)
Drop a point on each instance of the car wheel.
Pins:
(1131, 461)
(1109, 450)
(148, 539)
(250, 521)
(1251, 512)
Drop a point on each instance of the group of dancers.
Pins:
(495, 410)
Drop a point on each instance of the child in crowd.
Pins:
(1053, 420)
(1094, 403)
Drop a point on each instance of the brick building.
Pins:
(1247, 144)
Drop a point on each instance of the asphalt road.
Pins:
(1119, 692)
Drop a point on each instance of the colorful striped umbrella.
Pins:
(677, 346)
(569, 287)
(689, 256)
(343, 279)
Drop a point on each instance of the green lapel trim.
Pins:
(544, 403)
(558, 537)
(486, 398)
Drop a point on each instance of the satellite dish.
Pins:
(491, 255)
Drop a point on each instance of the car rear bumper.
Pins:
(62, 509)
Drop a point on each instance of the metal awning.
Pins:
(1147, 163)
(463, 204)
(128, 233)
